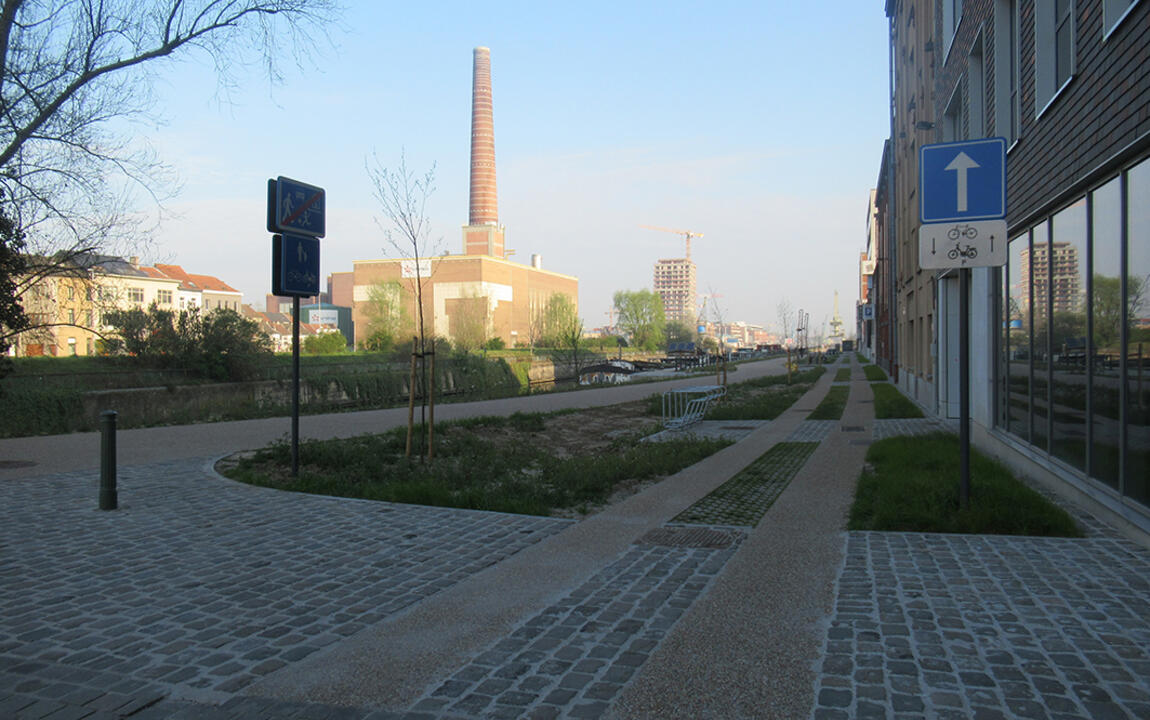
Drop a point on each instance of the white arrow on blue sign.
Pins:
(961, 181)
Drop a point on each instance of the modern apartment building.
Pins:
(1057, 340)
(676, 281)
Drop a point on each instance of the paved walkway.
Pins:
(203, 598)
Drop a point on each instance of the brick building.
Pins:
(1057, 350)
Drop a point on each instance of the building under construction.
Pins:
(676, 281)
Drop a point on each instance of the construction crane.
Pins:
(687, 235)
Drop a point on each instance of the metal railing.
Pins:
(685, 406)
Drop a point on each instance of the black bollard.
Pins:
(108, 500)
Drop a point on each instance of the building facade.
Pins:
(462, 294)
(1058, 333)
(676, 282)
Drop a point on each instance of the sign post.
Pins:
(962, 191)
(296, 214)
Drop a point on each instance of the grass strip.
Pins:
(911, 485)
(843, 375)
(764, 398)
(889, 403)
(832, 406)
(745, 498)
(874, 373)
(512, 472)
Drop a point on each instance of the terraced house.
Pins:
(1060, 345)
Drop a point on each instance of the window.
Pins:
(1114, 12)
(952, 117)
(136, 295)
(164, 297)
(1006, 109)
(951, 17)
(71, 292)
(976, 91)
(1054, 49)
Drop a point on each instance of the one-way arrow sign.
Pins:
(963, 181)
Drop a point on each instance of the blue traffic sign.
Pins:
(298, 207)
(962, 180)
(295, 265)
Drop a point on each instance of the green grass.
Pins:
(764, 398)
(505, 470)
(843, 375)
(890, 403)
(832, 406)
(746, 497)
(911, 485)
(874, 373)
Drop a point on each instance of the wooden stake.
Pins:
(411, 397)
(431, 406)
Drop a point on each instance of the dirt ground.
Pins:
(585, 432)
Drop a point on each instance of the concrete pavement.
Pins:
(202, 598)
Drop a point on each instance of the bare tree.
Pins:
(73, 71)
(786, 315)
(402, 196)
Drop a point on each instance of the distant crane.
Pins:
(687, 235)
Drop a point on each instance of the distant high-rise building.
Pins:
(1054, 272)
(482, 235)
(676, 282)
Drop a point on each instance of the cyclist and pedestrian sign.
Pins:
(962, 191)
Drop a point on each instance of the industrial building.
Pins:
(481, 285)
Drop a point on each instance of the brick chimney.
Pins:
(482, 235)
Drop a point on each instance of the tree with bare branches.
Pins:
(402, 196)
(71, 73)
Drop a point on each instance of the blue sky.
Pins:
(759, 124)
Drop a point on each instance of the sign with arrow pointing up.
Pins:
(962, 181)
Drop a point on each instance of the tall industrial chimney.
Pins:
(484, 208)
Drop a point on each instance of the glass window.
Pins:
(1040, 264)
(1018, 350)
(1138, 333)
(1068, 334)
(1114, 11)
(1104, 340)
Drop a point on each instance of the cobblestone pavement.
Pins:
(575, 656)
(951, 626)
(745, 498)
(912, 426)
(813, 431)
(197, 586)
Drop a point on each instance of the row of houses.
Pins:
(1060, 335)
(69, 304)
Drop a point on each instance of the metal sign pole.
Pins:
(295, 387)
(964, 387)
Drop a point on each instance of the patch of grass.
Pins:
(764, 398)
(874, 373)
(832, 406)
(911, 485)
(512, 474)
(890, 403)
(843, 375)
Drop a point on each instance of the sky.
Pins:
(758, 124)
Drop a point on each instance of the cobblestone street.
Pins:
(203, 598)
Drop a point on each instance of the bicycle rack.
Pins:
(685, 406)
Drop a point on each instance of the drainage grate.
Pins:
(853, 428)
(693, 537)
